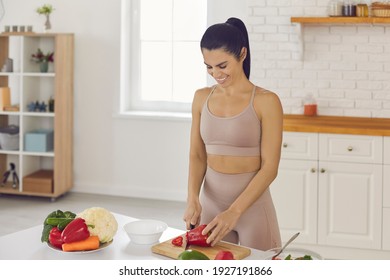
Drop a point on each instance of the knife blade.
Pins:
(188, 245)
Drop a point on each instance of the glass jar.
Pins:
(334, 9)
(309, 106)
(362, 10)
(349, 9)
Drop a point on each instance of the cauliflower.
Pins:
(100, 222)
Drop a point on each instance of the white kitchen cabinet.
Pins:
(386, 149)
(295, 197)
(302, 146)
(386, 194)
(294, 191)
(350, 148)
(330, 188)
(386, 186)
(350, 190)
(350, 205)
(386, 229)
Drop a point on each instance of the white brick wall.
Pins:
(345, 66)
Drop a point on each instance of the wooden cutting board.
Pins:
(167, 249)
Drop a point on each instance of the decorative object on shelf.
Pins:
(51, 104)
(15, 177)
(8, 65)
(40, 140)
(31, 107)
(5, 97)
(9, 138)
(334, 9)
(43, 59)
(310, 106)
(46, 10)
(380, 9)
(44, 66)
(12, 108)
(42, 107)
(37, 106)
(362, 10)
(349, 8)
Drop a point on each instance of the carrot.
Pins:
(91, 243)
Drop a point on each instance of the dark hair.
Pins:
(231, 36)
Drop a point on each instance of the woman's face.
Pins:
(223, 66)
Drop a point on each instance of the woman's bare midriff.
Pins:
(233, 164)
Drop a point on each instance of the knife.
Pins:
(188, 245)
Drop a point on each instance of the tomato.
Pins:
(224, 255)
(178, 241)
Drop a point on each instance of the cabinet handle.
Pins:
(350, 148)
(285, 145)
(322, 170)
(313, 170)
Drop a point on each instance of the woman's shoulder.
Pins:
(202, 94)
(265, 95)
(200, 97)
(266, 100)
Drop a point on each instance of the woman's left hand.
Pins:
(220, 226)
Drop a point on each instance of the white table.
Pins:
(27, 245)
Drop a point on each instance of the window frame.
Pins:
(130, 100)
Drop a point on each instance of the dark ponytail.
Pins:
(231, 36)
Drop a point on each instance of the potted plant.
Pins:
(46, 10)
(43, 59)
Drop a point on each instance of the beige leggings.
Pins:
(258, 227)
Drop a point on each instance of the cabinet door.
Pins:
(298, 145)
(294, 193)
(351, 148)
(386, 186)
(386, 150)
(386, 229)
(350, 205)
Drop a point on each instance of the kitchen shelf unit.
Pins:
(28, 84)
(338, 20)
(299, 21)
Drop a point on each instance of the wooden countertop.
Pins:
(340, 125)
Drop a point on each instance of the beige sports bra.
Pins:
(238, 135)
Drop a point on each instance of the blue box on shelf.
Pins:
(41, 140)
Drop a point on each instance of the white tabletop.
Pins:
(27, 245)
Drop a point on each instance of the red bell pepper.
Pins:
(76, 230)
(178, 241)
(195, 237)
(224, 255)
(55, 238)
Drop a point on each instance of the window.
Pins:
(161, 61)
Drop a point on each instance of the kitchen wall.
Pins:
(346, 67)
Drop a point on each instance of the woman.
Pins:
(235, 146)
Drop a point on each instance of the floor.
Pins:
(21, 212)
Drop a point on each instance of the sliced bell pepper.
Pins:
(76, 230)
(195, 237)
(178, 241)
(55, 238)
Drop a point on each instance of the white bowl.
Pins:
(294, 252)
(145, 231)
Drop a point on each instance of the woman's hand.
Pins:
(192, 214)
(221, 225)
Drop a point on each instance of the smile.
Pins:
(221, 80)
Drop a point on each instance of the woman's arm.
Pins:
(197, 162)
(270, 112)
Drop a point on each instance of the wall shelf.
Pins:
(336, 20)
